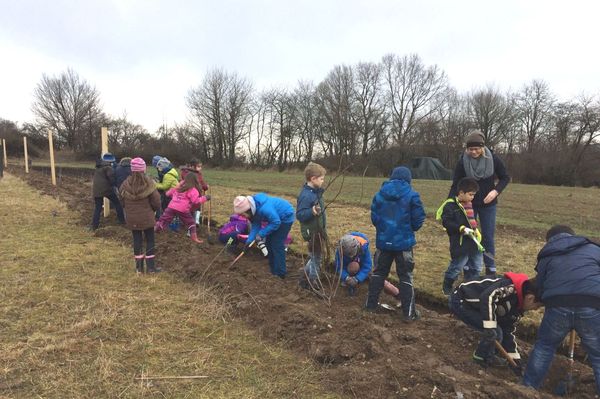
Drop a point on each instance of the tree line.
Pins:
(369, 116)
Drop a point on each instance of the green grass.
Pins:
(75, 321)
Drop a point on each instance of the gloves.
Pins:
(489, 334)
(467, 231)
(316, 209)
(351, 281)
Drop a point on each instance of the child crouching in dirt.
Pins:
(310, 212)
(459, 221)
(493, 306)
(279, 215)
(396, 213)
(140, 201)
(184, 197)
(237, 225)
(353, 263)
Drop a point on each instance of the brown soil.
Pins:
(361, 355)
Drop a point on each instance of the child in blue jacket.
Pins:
(353, 262)
(396, 213)
(279, 215)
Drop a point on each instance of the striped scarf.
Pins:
(470, 214)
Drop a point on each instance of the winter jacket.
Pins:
(272, 210)
(499, 301)
(186, 170)
(104, 180)
(139, 207)
(122, 172)
(363, 258)
(238, 224)
(485, 185)
(568, 272)
(184, 201)
(170, 180)
(397, 212)
(309, 223)
(453, 217)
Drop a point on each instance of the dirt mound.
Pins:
(361, 354)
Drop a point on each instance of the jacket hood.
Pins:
(394, 189)
(401, 173)
(562, 244)
(259, 199)
(100, 163)
(127, 192)
(518, 280)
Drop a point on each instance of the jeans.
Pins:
(487, 222)
(471, 264)
(555, 326)
(313, 266)
(112, 197)
(405, 265)
(276, 245)
(138, 245)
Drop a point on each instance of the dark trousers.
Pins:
(112, 197)
(276, 246)
(472, 317)
(405, 265)
(138, 242)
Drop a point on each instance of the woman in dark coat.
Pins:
(480, 163)
(141, 200)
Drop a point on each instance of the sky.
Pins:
(144, 56)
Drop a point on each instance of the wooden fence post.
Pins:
(104, 146)
(26, 154)
(5, 159)
(51, 149)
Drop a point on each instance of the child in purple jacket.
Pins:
(238, 224)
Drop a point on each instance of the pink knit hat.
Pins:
(243, 204)
(138, 165)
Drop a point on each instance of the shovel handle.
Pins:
(505, 354)
(572, 335)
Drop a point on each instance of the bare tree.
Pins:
(411, 87)
(71, 106)
(306, 118)
(222, 104)
(533, 106)
(492, 113)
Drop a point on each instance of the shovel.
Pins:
(208, 236)
(229, 242)
(565, 386)
(240, 255)
(509, 359)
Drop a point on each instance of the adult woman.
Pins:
(480, 163)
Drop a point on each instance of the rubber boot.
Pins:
(491, 273)
(194, 235)
(151, 265)
(375, 286)
(447, 286)
(139, 265)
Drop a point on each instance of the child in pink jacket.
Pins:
(184, 199)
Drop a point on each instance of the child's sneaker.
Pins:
(413, 317)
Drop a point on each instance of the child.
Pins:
(493, 306)
(466, 252)
(123, 171)
(185, 196)
(194, 166)
(237, 225)
(568, 276)
(279, 214)
(169, 180)
(310, 212)
(353, 262)
(396, 213)
(103, 186)
(140, 201)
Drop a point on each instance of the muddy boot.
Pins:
(194, 235)
(139, 265)
(151, 265)
(447, 286)
(375, 286)
(490, 273)
(413, 316)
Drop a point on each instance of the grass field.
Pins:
(76, 322)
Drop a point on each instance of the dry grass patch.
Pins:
(75, 321)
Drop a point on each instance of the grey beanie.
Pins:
(163, 163)
(475, 139)
(349, 246)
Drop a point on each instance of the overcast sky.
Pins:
(144, 56)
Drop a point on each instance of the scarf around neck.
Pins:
(479, 168)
